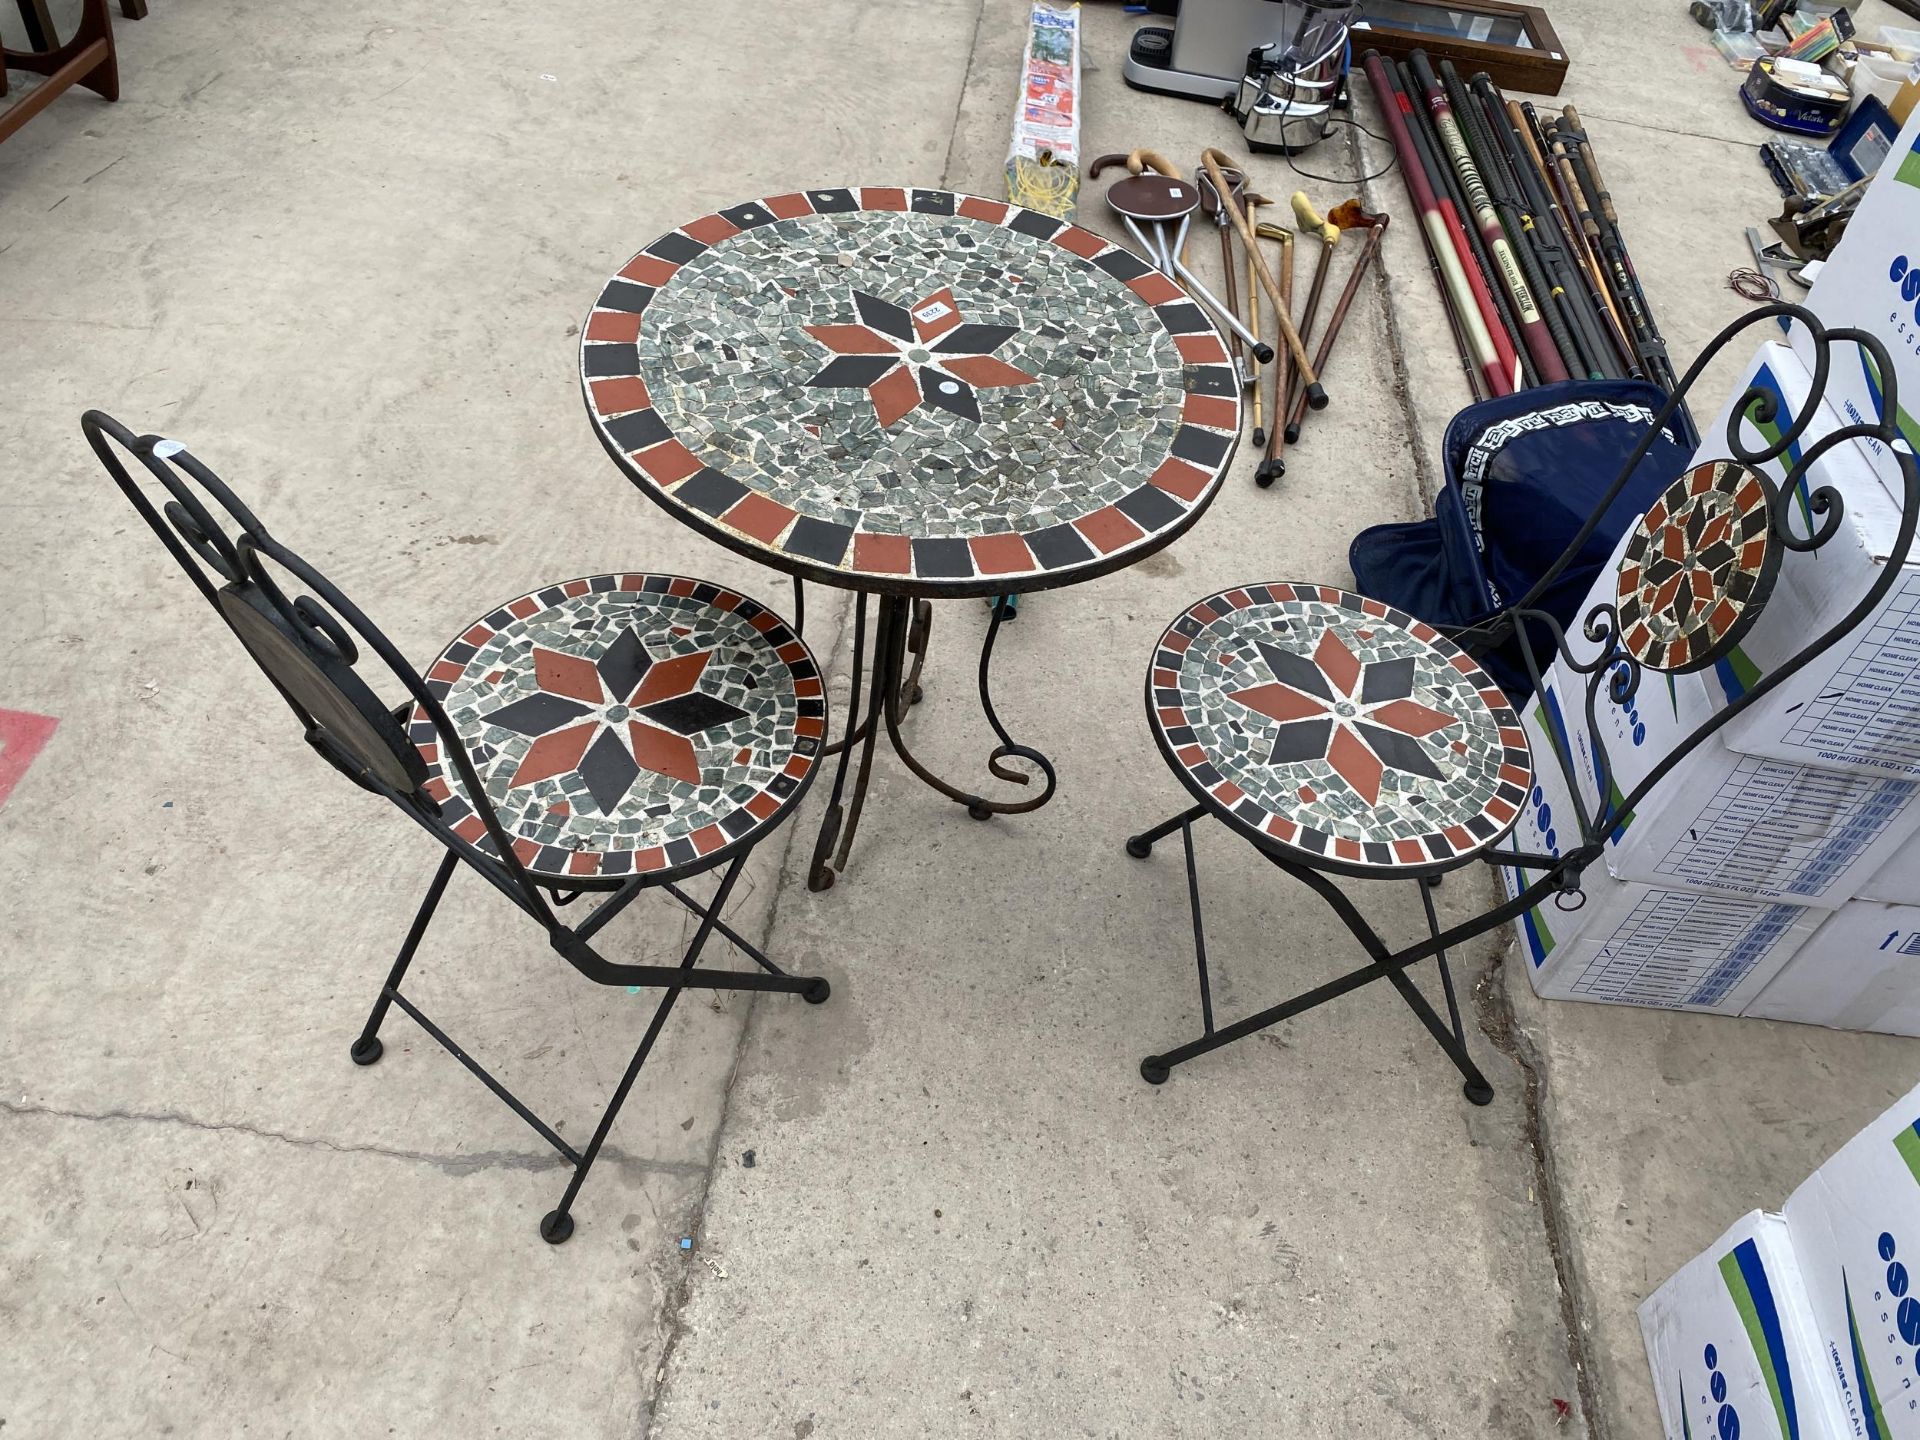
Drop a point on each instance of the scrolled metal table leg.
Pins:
(820, 874)
(978, 806)
(888, 643)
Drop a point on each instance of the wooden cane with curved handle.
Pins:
(1316, 396)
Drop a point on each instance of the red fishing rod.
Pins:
(1457, 292)
(1534, 334)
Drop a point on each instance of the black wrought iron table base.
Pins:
(1384, 964)
(901, 634)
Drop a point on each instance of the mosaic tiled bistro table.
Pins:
(914, 395)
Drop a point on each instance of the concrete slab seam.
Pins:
(1426, 482)
(673, 1306)
(450, 1164)
(1493, 1013)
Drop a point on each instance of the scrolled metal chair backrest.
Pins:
(307, 646)
(1617, 657)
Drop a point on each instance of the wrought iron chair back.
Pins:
(1615, 667)
(308, 647)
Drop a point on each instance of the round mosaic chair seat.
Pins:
(626, 725)
(1338, 730)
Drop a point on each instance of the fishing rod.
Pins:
(1520, 129)
(1490, 299)
(1646, 339)
(1516, 219)
(1589, 351)
(1660, 365)
(1533, 331)
(1477, 348)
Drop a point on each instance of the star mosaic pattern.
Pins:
(911, 390)
(1339, 728)
(923, 354)
(625, 724)
(1698, 568)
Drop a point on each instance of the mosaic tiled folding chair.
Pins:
(614, 734)
(1345, 738)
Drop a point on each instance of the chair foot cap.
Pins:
(1138, 848)
(817, 992)
(366, 1050)
(556, 1227)
(1153, 1072)
(1478, 1092)
(979, 811)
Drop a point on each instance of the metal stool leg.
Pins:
(1478, 1090)
(557, 1225)
(1152, 1070)
(1140, 846)
(367, 1048)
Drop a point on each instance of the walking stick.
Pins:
(1253, 324)
(1308, 219)
(1210, 205)
(1376, 228)
(1272, 466)
(1316, 396)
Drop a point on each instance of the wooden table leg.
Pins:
(37, 23)
(134, 9)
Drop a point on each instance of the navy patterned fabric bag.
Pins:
(1523, 472)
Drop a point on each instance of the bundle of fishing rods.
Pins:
(1521, 234)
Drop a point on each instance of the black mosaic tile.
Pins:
(625, 295)
(710, 491)
(675, 247)
(600, 361)
(638, 429)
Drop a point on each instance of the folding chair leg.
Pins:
(1140, 846)
(1478, 1090)
(1450, 1035)
(368, 1048)
(557, 1225)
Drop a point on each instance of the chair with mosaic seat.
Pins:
(1344, 738)
(614, 735)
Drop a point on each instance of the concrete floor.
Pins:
(342, 252)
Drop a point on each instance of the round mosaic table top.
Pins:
(1697, 568)
(1338, 729)
(911, 391)
(626, 724)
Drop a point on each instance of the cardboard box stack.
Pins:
(1774, 872)
(1804, 1325)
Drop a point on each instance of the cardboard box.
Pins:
(1870, 283)
(1860, 971)
(1733, 1346)
(1898, 881)
(1722, 821)
(1629, 943)
(1857, 706)
(1855, 1227)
